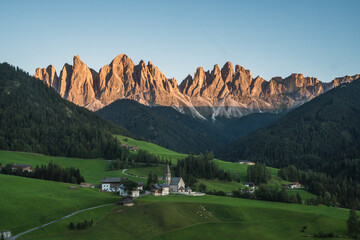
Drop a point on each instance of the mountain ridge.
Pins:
(223, 92)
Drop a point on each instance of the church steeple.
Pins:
(167, 175)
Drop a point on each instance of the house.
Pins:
(135, 193)
(111, 184)
(176, 184)
(127, 201)
(22, 167)
(140, 186)
(295, 185)
(5, 235)
(246, 162)
(133, 148)
(249, 185)
(122, 190)
(160, 189)
(188, 190)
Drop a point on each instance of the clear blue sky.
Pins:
(271, 38)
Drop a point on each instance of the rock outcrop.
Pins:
(221, 92)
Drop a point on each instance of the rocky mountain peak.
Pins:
(223, 92)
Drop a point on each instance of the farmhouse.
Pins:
(140, 186)
(160, 190)
(176, 184)
(295, 185)
(135, 193)
(122, 190)
(246, 162)
(249, 185)
(5, 234)
(22, 167)
(111, 184)
(127, 201)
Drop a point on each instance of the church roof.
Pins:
(175, 180)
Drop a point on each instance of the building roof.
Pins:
(248, 183)
(181, 188)
(126, 200)
(188, 189)
(111, 180)
(140, 183)
(159, 186)
(175, 180)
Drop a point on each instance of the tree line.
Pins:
(201, 166)
(52, 172)
(34, 118)
(330, 191)
(142, 157)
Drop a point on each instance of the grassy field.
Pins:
(92, 169)
(240, 169)
(144, 171)
(304, 194)
(27, 203)
(220, 185)
(153, 148)
(207, 217)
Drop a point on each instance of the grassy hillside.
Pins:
(208, 217)
(34, 118)
(181, 132)
(322, 135)
(152, 148)
(93, 170)
(27, 203)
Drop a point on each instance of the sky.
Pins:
(319, 38)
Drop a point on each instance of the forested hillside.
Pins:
(181, 132)
(322, 135)
(34, 118)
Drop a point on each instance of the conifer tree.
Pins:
(353, 224)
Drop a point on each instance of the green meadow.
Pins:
(93, 170)
(26, 202)
(207, 217)
(153, 148)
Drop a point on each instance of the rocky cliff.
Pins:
(221, 92)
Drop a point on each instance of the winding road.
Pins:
(67, 216)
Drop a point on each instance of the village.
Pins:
(129, 190)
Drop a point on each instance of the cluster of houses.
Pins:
(130, 147)
(115, 184)
(171, 185)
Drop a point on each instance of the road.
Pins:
(46, 224)
(67, 216)
(130, 175)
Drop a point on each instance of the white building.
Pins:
(5, 235)
(111, 184)
(160, 189)
(135, 193)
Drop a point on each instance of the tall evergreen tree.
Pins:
(353, 224)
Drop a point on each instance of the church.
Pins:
(176, 184)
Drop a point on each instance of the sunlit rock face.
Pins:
(223, 92)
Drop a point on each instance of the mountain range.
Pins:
(212, 94)
(322, 135)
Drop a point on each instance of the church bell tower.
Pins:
(167, 175)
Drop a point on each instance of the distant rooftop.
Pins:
(111, 180)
